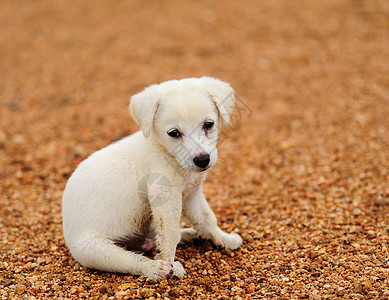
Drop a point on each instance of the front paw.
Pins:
(230, 241)
(178, 269)
(159, 269)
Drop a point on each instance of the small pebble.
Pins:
(147, 292)
(20, 288)
(103, 289)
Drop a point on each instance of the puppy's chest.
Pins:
(192, 182)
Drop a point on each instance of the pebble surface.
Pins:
(303, 168)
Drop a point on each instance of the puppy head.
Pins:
(184, 117)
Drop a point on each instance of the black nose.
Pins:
(201, 160)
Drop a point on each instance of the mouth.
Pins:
(200, 170)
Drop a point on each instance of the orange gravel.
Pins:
(303, 173)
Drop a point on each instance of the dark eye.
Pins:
(174, 133)
(208, 125)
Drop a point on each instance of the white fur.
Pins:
(111, 195)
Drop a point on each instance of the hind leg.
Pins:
(102, 254)
(188, 235)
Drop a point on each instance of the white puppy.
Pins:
(129, 196)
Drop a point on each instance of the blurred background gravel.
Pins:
(303, 173)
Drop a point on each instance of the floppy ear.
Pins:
(222, 94)
(143, 107)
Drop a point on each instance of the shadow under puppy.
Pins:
(130, 195)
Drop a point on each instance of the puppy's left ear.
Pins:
(222, 94)
(143, 107)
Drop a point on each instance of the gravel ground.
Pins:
(303, 173)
